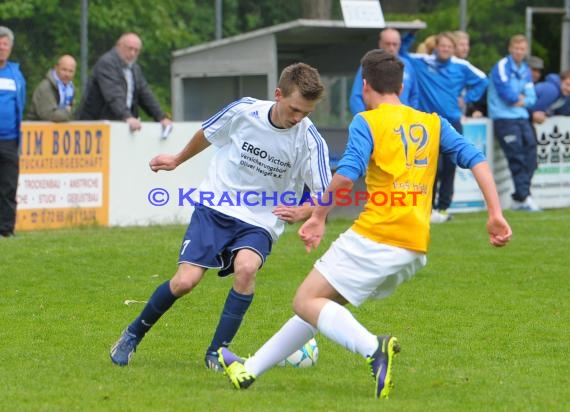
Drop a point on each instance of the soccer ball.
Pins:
(303, 357)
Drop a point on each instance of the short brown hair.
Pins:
(304, 78)
(383, 71)
(564, 75)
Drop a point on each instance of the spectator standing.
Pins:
(552, 97)
(390, 41)
(446, 83)
(536, 66)
(54, 96)
(462, 45)
(511, 93)
(462, 49)
(12, 103)
(117, 87)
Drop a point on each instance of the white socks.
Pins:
(292, 335)
(337, 323)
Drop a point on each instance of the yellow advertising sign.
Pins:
(64, 175)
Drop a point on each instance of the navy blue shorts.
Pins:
(213, 239)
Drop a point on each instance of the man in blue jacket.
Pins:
(446, 83)
(390, 41)
(552, 97)
(511, 93)
(12, 101)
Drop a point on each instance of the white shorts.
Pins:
(359, 268)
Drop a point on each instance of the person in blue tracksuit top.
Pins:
(511, 93)
(12, 102)
(552, 97)
(446, 83)
(390, 41)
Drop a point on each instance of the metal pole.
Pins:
(84, 43)
(218, 19)
(565, 43)
(463, 15)
(528, 26)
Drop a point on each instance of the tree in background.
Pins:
(45, 29)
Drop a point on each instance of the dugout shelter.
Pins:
(207, 76)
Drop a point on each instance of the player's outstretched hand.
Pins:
(163, 162)
(311, 233)
(499, 231)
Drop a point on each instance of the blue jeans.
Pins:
(518, 142)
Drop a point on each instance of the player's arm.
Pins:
(467, 156)
(292, 214)
(499, 230)
(351, 166)
(171, 162)
(312, 231)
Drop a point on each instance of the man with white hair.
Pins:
(12, 102)
(117, 87)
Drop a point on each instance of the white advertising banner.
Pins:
(551, 181)
(467, 197)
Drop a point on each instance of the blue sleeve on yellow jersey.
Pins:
(359, 147)
(463, 152)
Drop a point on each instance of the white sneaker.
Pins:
(527, 205)
(439, 216)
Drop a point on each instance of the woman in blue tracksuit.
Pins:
(442, 79)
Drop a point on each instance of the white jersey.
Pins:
(258, 166)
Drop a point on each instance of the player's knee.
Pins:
(299, 305)
(184, 281)
(246, 268)
(244, 282)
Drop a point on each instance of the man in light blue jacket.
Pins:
(511, 93)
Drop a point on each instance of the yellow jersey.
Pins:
(400, 176)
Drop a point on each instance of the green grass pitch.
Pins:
(481, 329)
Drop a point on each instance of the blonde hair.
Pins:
(518, 38)
(427, 46)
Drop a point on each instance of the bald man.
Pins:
(390, 41)
(117, 87)
(54, 96)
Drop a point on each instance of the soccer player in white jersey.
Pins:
(267, 152)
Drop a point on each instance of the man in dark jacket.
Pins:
(117, 87)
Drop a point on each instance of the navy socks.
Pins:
(160, 301)
(234, 310)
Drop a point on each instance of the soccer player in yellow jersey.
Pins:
(397, 148)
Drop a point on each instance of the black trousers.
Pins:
(9, 173)
(445, 177)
